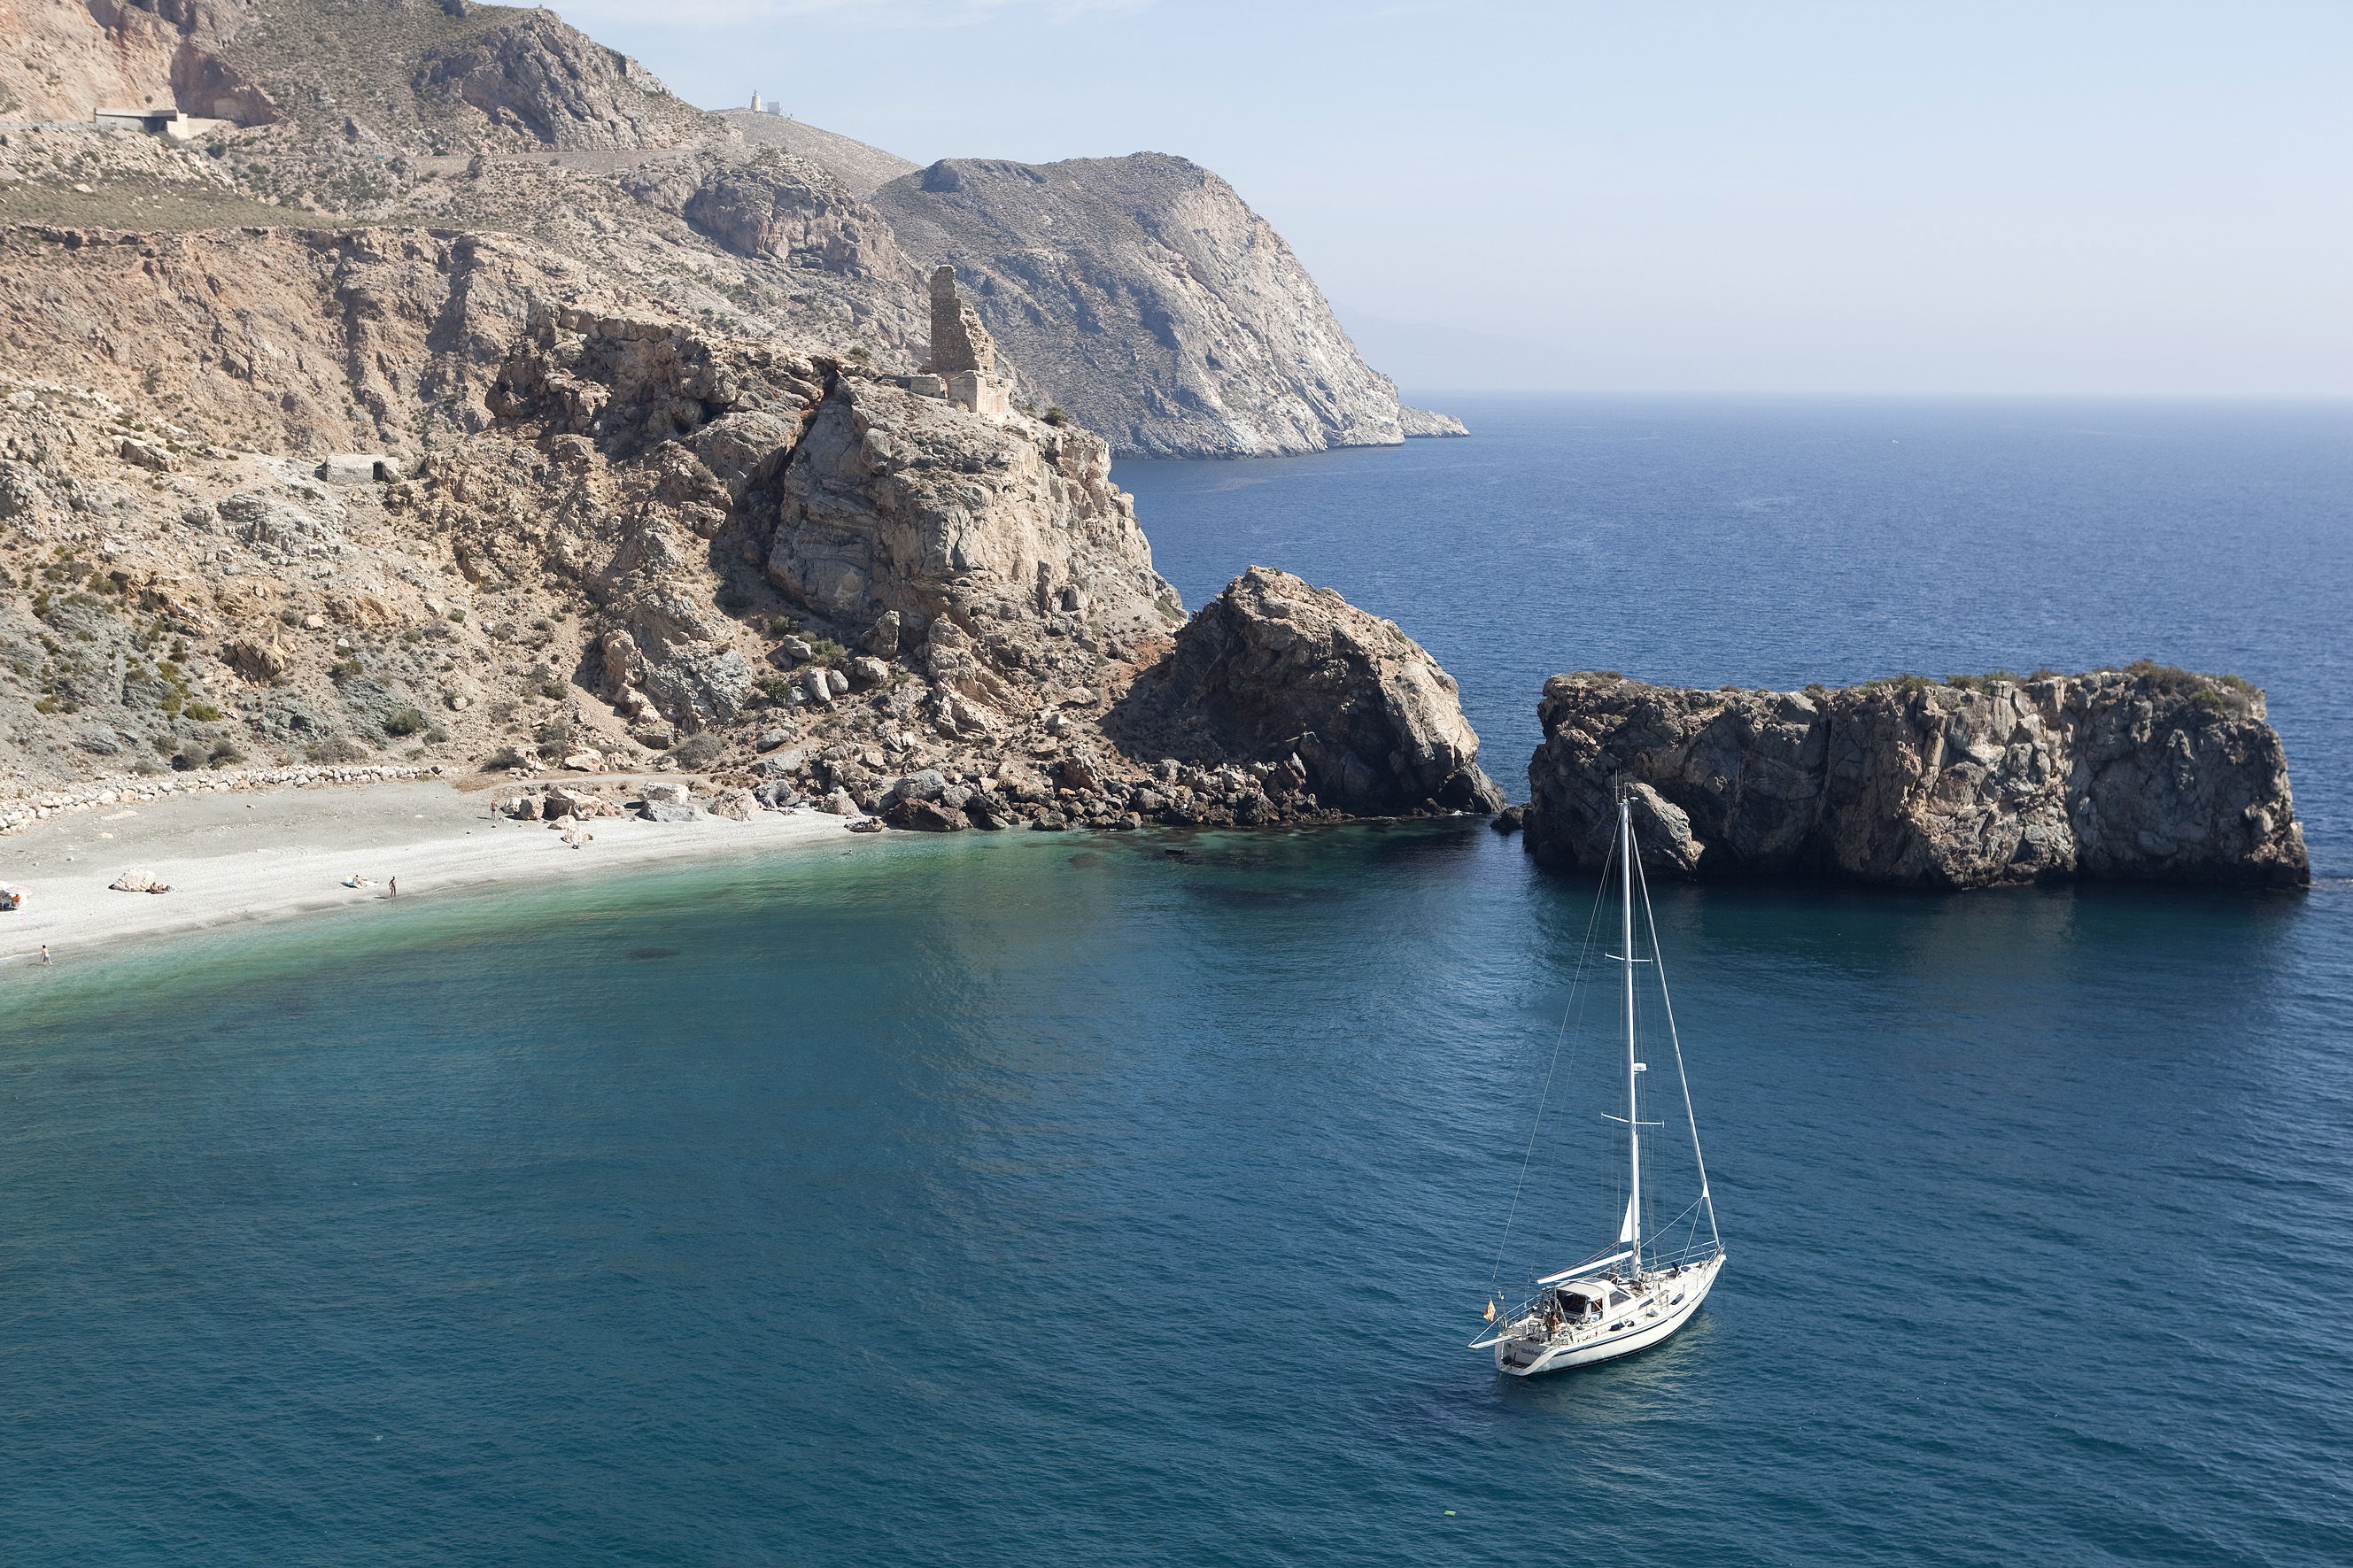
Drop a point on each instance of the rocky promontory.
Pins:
(2146, 773)
(416, 384)
(1144, 297)
(1343, 707)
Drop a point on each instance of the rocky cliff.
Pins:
(604, 535)
(598, 446)
(443, 76)
(1346, 707)
(2147, 773)
(422, 113)
(1142, 295)
(1138, 293)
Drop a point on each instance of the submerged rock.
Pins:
(2147, 773)
(1306, 692)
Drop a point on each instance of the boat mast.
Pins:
(1631, 1232)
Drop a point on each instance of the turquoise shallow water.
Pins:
(1029, 1198)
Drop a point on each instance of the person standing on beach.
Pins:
(392, 887)
(45, 953)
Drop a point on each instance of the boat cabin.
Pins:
(1581, 1300)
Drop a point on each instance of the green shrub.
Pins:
(437, 736)
(503, 758)
(335, 749)
(408, 722)
(698, 749)
(201, 712)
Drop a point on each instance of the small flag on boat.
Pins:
(1491, 1309)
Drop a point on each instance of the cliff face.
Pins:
(439, 114)
(2146, 775)
(283, 341)
(278, 484)
(1142, 296)
(442, 76)
(1277, 672)
(906, 504)
(621, 534)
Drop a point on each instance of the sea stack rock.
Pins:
(2148, 773)
(1276, 672)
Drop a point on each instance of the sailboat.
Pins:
(1647, 1283)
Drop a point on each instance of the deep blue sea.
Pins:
(1034, 1199)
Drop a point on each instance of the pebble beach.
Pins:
(262, 850)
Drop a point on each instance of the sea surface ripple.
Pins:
(1029, 1198)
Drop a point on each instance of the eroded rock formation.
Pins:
(1275, 672)
(2144, 775)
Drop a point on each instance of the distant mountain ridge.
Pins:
(862, 170)
(1146, 298)
(1139, 294)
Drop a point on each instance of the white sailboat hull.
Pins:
(1653, 1321)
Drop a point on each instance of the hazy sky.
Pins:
(1963, 195)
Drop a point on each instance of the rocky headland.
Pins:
(1137, 294)
(1142, 295)
(1314, 696)
(415, 384)
(2146, 773)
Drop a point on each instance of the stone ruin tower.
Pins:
(964, 356)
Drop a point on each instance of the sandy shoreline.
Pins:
(264, 855)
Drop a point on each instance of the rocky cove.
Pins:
(840, 587)
(590, 431)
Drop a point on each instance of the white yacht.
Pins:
(1646, 1284)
